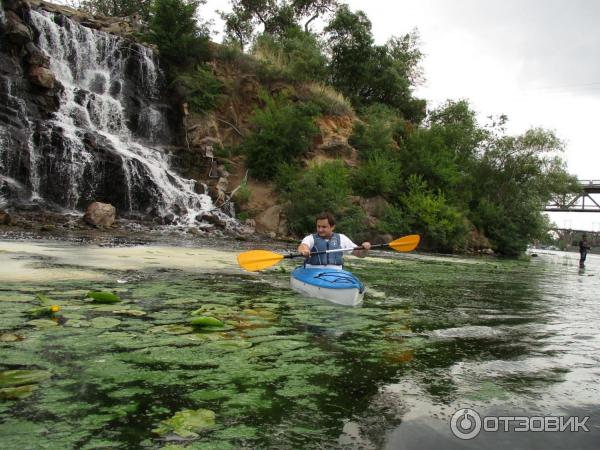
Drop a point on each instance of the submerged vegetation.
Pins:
(439, 172)
(262, 367)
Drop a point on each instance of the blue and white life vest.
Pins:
(322, 245)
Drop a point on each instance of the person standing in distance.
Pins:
(583, 249)
(326, 239)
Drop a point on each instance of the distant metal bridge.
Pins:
(584, 201)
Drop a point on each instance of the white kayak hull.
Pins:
(305, 285)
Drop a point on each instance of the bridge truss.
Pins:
(587, 200)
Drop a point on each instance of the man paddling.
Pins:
(325, 239)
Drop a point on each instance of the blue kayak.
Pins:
(337, 286)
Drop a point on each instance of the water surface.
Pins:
(435, 334)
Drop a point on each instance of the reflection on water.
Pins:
(435, 335)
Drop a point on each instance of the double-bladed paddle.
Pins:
(255, 260)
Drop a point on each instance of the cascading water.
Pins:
(105, 141)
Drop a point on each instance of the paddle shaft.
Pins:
(296, 255)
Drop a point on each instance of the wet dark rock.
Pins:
(15, 30)
(169, 219)
(212, 219)
(5, 218)
(36, 57)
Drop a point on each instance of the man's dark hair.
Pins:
(328, 216)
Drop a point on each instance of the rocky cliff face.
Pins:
(82, 119)
(85, 117)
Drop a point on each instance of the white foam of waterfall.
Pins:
(91, 67)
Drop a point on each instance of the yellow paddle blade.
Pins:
(406, 243)
(256, 260)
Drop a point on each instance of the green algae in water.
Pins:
(187, 423)
(21, 377)
(206, 321)
(19, 384)
(42, 323)
(215, 309)
(172, 329)
(104, 322)
(103, 297)
(17, 392)
(328, 367)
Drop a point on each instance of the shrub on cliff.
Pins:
(201, 89)
(281, 132)
(294, 56)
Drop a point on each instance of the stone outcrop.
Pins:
(100, 215)
(42, 77)
(5, 218)
(272, 220)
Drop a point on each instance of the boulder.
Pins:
(41, 76)
(212, 219)
(101, 215)
(5, 218)
(272, 220)
(374, 206)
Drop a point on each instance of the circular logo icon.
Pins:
(465, 424)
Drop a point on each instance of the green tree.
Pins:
(445, 152)
(175, 31)
(275, 16)
(350, 44)
(516, 177)
(118, 8)
(238, 26)
(370, 74)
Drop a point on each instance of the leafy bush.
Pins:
(202, 90)
(323, 187)
(379, 131)
(427, 213)
(282, 132)
(376, 176)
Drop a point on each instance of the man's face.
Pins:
(324, 230)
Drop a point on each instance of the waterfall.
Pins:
(106, 141)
